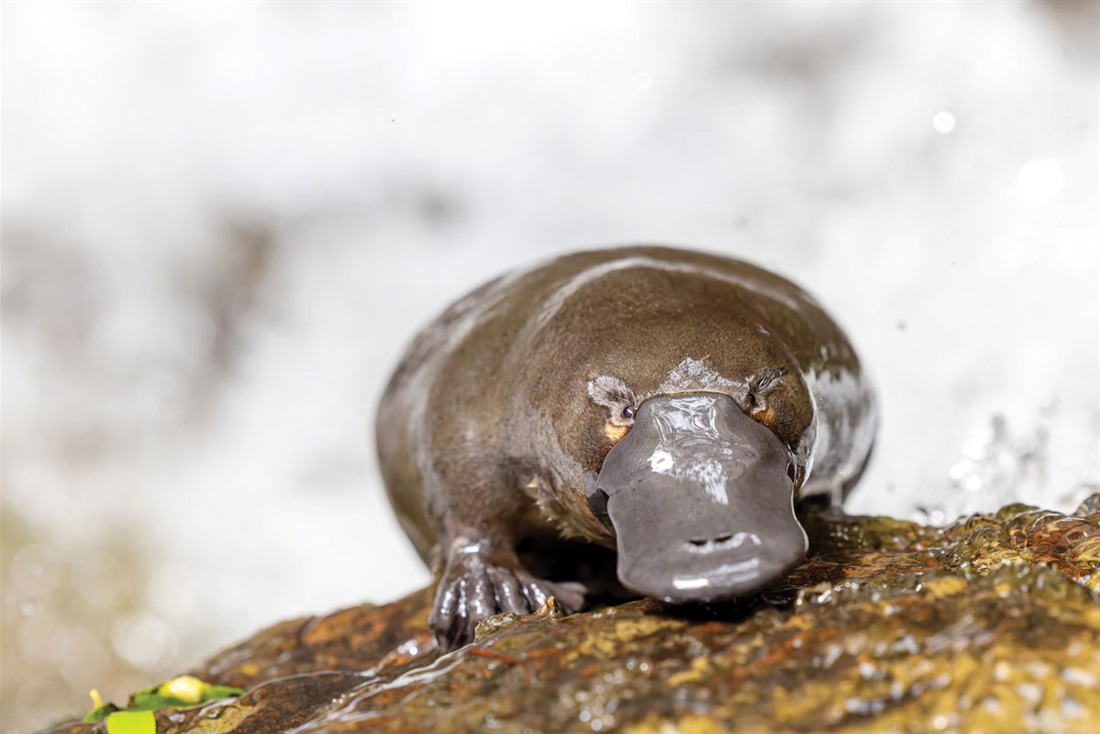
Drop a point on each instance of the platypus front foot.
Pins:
(479, 581)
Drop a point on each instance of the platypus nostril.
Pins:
(724, 538)
(701, 542)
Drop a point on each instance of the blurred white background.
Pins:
(223, 222)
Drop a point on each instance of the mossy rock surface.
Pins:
(991, 625)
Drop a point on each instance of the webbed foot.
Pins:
(479, 582)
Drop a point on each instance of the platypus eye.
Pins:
(628, 412)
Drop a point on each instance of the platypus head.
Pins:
(701, 497)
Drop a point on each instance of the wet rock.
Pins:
(992, 624)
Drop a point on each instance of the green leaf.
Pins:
(99, 713)
(132, 722)
(183, 692)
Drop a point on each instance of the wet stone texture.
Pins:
(990, 625)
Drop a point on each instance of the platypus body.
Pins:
(672, 405)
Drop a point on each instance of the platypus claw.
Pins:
(473, 589)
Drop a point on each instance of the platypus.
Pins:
(669, 404)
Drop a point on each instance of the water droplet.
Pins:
(932, 515)
(943, 122)
(143, 640)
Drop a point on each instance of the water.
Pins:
(221, 225)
